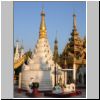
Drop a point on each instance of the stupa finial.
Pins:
(42, 25)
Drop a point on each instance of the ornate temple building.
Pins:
(50, 69)
(18, 59)
(74, 54)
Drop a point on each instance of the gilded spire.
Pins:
(42, 32)
(74, 22)
(56, 55)
(56, 38)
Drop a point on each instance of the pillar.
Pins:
(74, 72)
(65, 77)
(19, 85)
(55, 74)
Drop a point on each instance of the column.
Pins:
(74, 72)
(19, 85)
(55, 74)
(65, 77)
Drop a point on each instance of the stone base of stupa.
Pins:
(43, 77)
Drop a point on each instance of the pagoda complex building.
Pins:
(40, 66)
(74, 56)
(49, 69)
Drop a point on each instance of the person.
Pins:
(31, 85)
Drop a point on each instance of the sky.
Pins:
(58, 18)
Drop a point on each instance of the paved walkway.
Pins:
(23, 94)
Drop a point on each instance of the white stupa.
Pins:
(40, 67)
(19, 52)
(16, 55)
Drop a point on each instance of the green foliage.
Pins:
(70, 49)
(64, 85)
(28, 54)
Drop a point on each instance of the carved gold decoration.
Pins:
(19, 62)
(42, 33)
